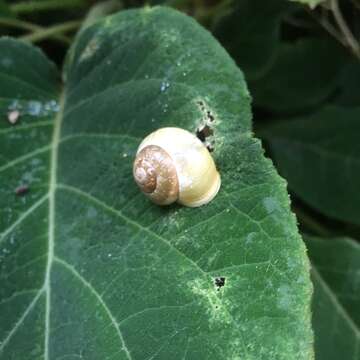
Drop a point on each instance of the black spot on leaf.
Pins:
(219, 282)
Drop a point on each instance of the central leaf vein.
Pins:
(51, 235)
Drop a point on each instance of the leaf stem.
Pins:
(26, 7)
(348, 35)
(100, 10)
(25, 25)
(325, 23)
(19, 24)
(51, 31)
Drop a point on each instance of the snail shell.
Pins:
(172, 164)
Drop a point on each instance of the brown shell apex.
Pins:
(155, 174)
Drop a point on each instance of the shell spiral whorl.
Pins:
(155, 174)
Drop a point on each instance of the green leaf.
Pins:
(319, 156)
(312, 3)
(300, 78)
(251, 33)
(336, 278)
(348, 94)
(5, 11)
(90, 267)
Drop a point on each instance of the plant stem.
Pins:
(25, 25)
(52, 31)
(19, 24)
(100, 10)
(44, 5)
(324, 22)
(311, 223)
(348, 35)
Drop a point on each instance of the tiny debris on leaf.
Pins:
(13, 116)
(22, 190)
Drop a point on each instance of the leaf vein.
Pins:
(20, 321)
(99, 298)
(22, 217)
(32, 125)
(24, 157)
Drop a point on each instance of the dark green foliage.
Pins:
(301, 69)
(93, 270)
(251, 33)
(326, 145)
(111, 270)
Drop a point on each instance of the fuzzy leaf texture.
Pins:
(90, 268)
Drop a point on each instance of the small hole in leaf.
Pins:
(204, 132)
(210, 147)
(201, 105)
(210, 116)
(219, 282)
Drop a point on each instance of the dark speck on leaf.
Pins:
(219, 282)
(210, 116)
(22, 190)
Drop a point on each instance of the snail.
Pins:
(172, 165)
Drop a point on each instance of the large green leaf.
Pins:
(251, 33)
(319, 156)
(336, 303)
(89, 267)
(300, 78)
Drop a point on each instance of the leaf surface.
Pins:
(92, 269)
(336, 302)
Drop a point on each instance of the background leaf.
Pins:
(299, 78)
(5, 10)
(90, 267)
(251, 33)
(321, 166)
(336, 275)
(348, 85)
